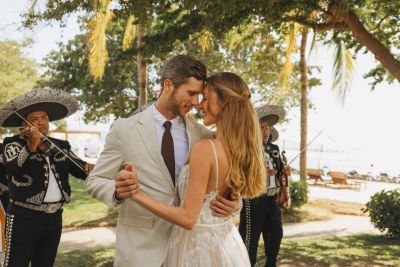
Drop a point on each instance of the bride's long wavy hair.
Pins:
(239, 130)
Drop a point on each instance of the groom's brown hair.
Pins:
(180, 68)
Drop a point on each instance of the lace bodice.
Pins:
(205, 216)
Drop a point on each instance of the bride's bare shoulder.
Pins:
(201, 148)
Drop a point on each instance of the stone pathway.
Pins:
(339, 226)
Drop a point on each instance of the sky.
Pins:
(367, 124)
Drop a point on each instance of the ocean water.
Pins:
(362, 161)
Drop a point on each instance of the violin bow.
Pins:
(312, 140)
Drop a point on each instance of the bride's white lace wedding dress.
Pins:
(213, 241)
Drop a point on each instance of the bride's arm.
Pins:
(199, 172)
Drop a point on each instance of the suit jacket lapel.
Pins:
(148, 134)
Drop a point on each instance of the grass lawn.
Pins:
(322, 209)
(357, 250)
(85, 211)
(86, 258)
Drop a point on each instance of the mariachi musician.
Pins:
(37, 168)
(263, 214)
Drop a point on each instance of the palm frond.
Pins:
(343, 69)
(204, 40)
(96, 38)
(129, 34)
(313, 43)
(288, 66)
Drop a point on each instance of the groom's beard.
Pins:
(173, 105)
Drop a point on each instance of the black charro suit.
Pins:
(263, 215)
(29, 219)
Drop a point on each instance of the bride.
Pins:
(232, 162)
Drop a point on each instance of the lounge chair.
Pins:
(314, 174)
(340, 179)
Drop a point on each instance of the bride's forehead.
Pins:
(206, 90)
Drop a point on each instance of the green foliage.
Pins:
(61, 125)
(298, 193)
(178, 20)
(116, 94)
(381, 20)
(17, 72)
(384, 212)
(248, 50)
(253, 53)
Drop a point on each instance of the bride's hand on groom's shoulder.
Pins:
(126, 182)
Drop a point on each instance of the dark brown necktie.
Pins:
(167, 150)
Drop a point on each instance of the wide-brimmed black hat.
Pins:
(270, 114)
(57, 104)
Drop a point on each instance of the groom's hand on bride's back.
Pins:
(223, 207)
(126, 183)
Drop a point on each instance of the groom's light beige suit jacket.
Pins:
(141, 237)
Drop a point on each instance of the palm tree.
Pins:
(343, 70)
(303, 105)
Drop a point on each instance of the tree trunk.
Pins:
(141, 60)
(340, 11)
(303, 105)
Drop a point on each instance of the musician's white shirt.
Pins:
(272, 182)
(53, 193)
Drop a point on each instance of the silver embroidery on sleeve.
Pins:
(12, 150)
(28, 181)
(23, 155)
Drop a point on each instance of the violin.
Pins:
(283, 199)
(43, 146)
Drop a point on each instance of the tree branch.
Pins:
(379, 23)
(320, 27)
(367, 39)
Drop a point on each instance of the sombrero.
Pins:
(274, 134)
(270, 114)
(57, 104)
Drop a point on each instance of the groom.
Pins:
(157, 141)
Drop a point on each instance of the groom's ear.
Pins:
(168, 86)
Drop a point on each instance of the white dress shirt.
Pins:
(179, 136)
(272, 182)
(53, 193)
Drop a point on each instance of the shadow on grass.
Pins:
(109, 220)
(358, 250)
(83, 258)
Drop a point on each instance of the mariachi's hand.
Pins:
(287, 170)
(89, 167)
(222, 207)
(34, 138)
(126, 183)
(271, 172)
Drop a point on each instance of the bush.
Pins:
(384, 212)
(298, 193)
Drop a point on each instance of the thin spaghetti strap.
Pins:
(216, 163)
